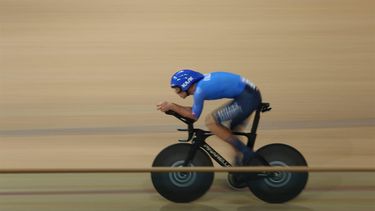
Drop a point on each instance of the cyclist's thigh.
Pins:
(248, 102)
(227, 112)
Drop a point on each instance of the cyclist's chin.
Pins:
(183, 96)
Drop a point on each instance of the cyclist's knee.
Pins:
(211, 121)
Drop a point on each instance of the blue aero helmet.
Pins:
(183, 79)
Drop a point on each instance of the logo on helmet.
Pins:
(187, 82)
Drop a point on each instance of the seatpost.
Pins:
(253, 134)
(254, 128)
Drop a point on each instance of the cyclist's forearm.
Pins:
(183, 110)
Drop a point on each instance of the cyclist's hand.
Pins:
(164, 106)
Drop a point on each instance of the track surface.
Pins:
(326, 191)
(118, 191)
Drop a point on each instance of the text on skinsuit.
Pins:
(246, 81)
(228, 112)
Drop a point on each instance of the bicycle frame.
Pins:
(199, 136)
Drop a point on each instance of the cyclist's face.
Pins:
(180, 92)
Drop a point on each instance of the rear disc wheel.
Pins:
(279, 187)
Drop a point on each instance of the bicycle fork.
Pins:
(191, 154)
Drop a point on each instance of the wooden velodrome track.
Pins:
(79, 81)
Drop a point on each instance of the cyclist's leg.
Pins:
(237, 111)
(227, 113)
(240, 127)
(216, 126)
(249, 102)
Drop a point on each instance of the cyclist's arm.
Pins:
(185, 111)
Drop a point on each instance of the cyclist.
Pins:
(212, 86)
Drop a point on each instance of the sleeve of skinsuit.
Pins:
(198, 103)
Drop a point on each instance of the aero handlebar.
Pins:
(187, 121)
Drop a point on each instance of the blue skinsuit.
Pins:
(219, 85)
